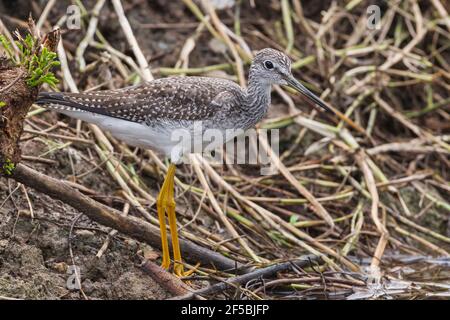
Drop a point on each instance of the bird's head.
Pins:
(274, 67)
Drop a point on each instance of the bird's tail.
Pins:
(72, 105)
(80, 105)
(57, 101)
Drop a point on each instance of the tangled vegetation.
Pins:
(367, 188)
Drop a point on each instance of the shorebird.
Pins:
(147, 115)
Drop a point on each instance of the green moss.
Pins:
(8, 167)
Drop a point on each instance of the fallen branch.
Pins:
(301, 262)
(165, 279)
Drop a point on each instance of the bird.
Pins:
(146, 115)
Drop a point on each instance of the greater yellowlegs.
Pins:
(147, 115)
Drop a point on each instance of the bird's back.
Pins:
(166, 99)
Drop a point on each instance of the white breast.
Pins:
(132, 133)
(160, 136)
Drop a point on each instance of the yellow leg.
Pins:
(161, 204)
(178, 266)
(166, 202)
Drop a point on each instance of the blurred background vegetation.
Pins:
(377, 169)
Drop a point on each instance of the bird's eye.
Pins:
(268, 64)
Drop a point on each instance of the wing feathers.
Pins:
(178, 99)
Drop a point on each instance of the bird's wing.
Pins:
(178, 98)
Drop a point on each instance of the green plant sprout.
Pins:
(38, 63)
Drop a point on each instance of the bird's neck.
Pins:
(258, 94)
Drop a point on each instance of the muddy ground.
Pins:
(35, 257)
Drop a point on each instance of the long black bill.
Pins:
(311, 96)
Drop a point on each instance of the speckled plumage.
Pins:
(176, 98)
(145, 115)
